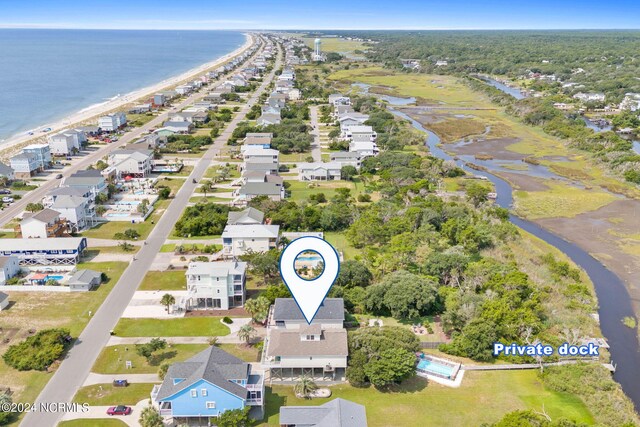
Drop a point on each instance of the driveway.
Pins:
(100, 412)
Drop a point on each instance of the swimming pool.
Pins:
(433, 367)
(309, 258)
(54, 277)
(118, 215)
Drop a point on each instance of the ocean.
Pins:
(46, 75)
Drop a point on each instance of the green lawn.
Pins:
(210, 199)
(173, 183)
(112, 359)
(180, 327)
(108, 395)
(242, 351)
(301, 190)
(95, 422)
(173, 280)
(484, 397)
(41, 310)
(108, 229)
(340, 242)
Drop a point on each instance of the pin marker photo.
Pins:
(309, 293)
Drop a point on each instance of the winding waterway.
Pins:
(613, 298)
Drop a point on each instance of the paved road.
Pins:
(80, 164)
(316, 152)
(77, 365)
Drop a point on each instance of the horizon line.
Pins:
(46, 27)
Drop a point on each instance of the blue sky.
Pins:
(321, 14)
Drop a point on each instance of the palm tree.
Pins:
(168, 300)
(246, 332)
(149, 417)
(258, 308)
(305, 387)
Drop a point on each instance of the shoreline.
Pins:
(78, 118)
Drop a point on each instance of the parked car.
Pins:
(5, 191)
(119, 410)
(7, 199)
(59, 176)
(120, 383)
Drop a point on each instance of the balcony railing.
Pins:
(252, 402)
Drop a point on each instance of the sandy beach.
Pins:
(90, 114)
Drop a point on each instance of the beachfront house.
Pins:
(42, 153)
(7, 172)
(360, 133)
(131, 163)
(42, 225)
(159, 100)
(9, 268)
(112, 122)
(351, 119)
(240, 239)
(339, 99)
(215, 285)
(320, 171)
(335, 413)
(67, 142)
(206, 385)
(294, 348)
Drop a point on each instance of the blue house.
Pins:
(204, 386)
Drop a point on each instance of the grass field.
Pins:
(108, 395)
(339, 241)
(173, 280)
(336, 44)
(180, 327)
(302, 190)
(484, 397)
(40, 310)
(242, 351)
(560, 201)
(96, 422)
(112, 359)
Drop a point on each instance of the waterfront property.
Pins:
(24, 165)
(336, 413)
(59, 251)
(67, 142)
(7, 172)
(239, 239)
(293, 348)
(215, 285)
(112, 122)
(206, 385)
(360, 133)
(364, 148)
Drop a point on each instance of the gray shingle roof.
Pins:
(3, 296)
(45, 215)
(288, 342)
(249, 215)
(287, 309)
(85, 276)
(261, 189)
(336, 413)
(213, 365)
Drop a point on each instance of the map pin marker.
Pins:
(309, 293)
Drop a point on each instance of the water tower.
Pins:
(317, 43)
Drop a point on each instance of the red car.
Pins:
(119, 410)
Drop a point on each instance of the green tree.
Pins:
(39, 351)
(143, 207)
(150, 417)
(162, 371)
(234, 418)
(403, 295)
(34, 207)
(265, 264)
(167, 300)
(391, 366)
(258, 308)
(164, 192)
(477, 193)
(305, 387)
(147, 350)
(353, 273)
(348, 172)
(246, 333)
(475, 341)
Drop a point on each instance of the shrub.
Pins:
(227, 320)
(364, 198)
(39, 351)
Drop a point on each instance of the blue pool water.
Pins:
(435, 367)
(310, 258)
(118, 215)
(54, 277)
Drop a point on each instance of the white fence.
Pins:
(33, 288)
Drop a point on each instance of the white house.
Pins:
(351, 119)
(80, 211)
(631, 102)
(590, 97)
(239, 239)
(89, 182)
(24, 165)
(339, 99)
(251, 189)
(66, 142)
(112, 122)
(361, 133)
(7, 172)
(42, 152)
(178, 127)
(215, 285)
(294, 348)
(43, 224)
(346, 158)
(319, 171)
(259, 164)
(184, 89)
(267, 119)
(134, 163)
(364, 148)
(9, 267)
(260, 153)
